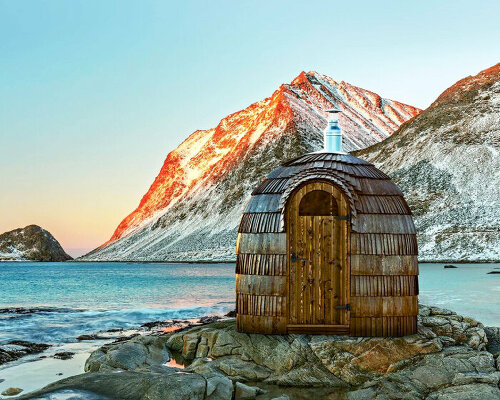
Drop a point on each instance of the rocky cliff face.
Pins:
(446, 161)
(31, 243)
(193, 207)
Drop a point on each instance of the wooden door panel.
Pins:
(317, 262)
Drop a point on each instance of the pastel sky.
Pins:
(94, 94)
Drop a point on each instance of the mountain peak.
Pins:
(487, 76)
(300, 78)
(205, 182)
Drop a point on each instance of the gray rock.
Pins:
(423, 310)
(362, 394)
(493, 335)
(137, 353)
(190, 345)
(440, 311)
(466, 392)
(71, 394)
(178, 386)
(12, 391)
(129, 356)
(454, 329)
(19, 348)
(218, 387)
(468, 378)
(241, 370)
(64, 355)
(127, 385)
(244, 392)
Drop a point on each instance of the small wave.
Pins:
(67, 324)
(37, 310)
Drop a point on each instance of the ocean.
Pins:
(59, 301)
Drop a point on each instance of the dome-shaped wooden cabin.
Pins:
(327, 245)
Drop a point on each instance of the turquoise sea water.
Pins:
(76, 298)
(468, 290)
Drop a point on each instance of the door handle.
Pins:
(293, 258)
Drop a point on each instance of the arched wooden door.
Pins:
(317, 232)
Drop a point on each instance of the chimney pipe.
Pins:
(332, 133)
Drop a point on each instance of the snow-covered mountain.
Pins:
(193, 207)
(447, 162)
(31, 243)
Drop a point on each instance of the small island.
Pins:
(31, 243)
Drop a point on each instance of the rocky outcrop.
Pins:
(493, 335)
(19, 348)
(159, 383)
(31, 243)
(446, 359)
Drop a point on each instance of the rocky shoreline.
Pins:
(451, 357)
(17, 349)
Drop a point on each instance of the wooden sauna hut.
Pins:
(327, 245)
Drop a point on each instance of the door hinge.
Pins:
(346, 307)
(343, 218)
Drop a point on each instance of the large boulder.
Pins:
(131, 355)
(493, 335)
(164, 384)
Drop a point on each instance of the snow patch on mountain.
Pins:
(192, 209)
(447, 163)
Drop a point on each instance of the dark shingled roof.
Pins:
(368, 190)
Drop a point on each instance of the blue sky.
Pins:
(94, 94)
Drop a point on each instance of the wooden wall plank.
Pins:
(318, 329)
(389, 285)
(383, 326)
(383, 244)
(261, 284)
(260, 223)
(261, 264)
(383, 306)
(270, 306)
(261, 324)
(382, 223)
(261, 243)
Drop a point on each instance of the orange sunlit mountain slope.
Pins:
(289, 122)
